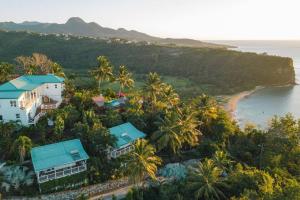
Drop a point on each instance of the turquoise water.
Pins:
(261, 106)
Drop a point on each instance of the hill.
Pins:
(76, 26)
(223, 71)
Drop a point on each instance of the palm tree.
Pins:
(153, 88)
(222, 161)
(177, 128)
(124, 78)
(206, 182)
(171, 98)
(23, 145)
(104, 72)
(168, 134)
(207, 109)
(142, 162)
(6, 70)
(189, 126)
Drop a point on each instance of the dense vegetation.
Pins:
(219, 70)
(234, 163)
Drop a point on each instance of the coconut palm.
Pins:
(104, 71)
(222, 161)
(153, 88)
(205, 181)
(124, 78)
(142, 162)
(171, 98)
(206, 108)
(189, 126)
(6, 70)
(168, 134)
(22, 145)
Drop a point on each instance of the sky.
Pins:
(198, 19)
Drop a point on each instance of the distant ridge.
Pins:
(78, 27)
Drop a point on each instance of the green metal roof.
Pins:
(126, 134)
(14, 88)
(57, 154)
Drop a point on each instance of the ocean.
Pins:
(259, 107)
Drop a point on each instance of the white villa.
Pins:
(26, 98)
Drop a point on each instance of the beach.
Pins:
(233, 100)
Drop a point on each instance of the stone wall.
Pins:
(73, 194)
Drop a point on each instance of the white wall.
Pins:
(51, 91)
(9, 113)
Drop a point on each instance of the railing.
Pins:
(36, 118)
(49, 106)
(60, 174)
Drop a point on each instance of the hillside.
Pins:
(224, 71)
(76, 26)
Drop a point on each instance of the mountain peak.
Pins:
(75, 20)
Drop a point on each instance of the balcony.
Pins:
(49, 104)
(55, 174)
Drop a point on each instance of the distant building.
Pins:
(26, 98)
(58, 160)
(115, 103)
(126, 135)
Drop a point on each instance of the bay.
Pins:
(259, 107)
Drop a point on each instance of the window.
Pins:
(1, 117)
(55, 85)
(13, 103)
(18, 116)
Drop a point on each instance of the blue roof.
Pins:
(57, 154)
(126, 134)
(14, 88)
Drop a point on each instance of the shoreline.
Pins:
(231, 105)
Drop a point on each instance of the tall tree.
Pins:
(153, 88)
(22, 145)
(205, 181)
(142, 162)
(124, 78)
(104, 71)
(6, 71)
(168, 134)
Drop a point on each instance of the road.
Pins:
(119, 193)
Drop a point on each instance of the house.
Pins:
(115, 103)
(126, 134)
(58, 160)
(26, 98)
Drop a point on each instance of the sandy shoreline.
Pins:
(233, 100)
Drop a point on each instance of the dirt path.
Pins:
(119, 193)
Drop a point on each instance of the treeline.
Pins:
(225, 70)
(231, 163)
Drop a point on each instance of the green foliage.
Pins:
(142, 162)
(6, 71)
(251, 179)
(21, 147)
(224, 71)
(205, 181)
(68, 182)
